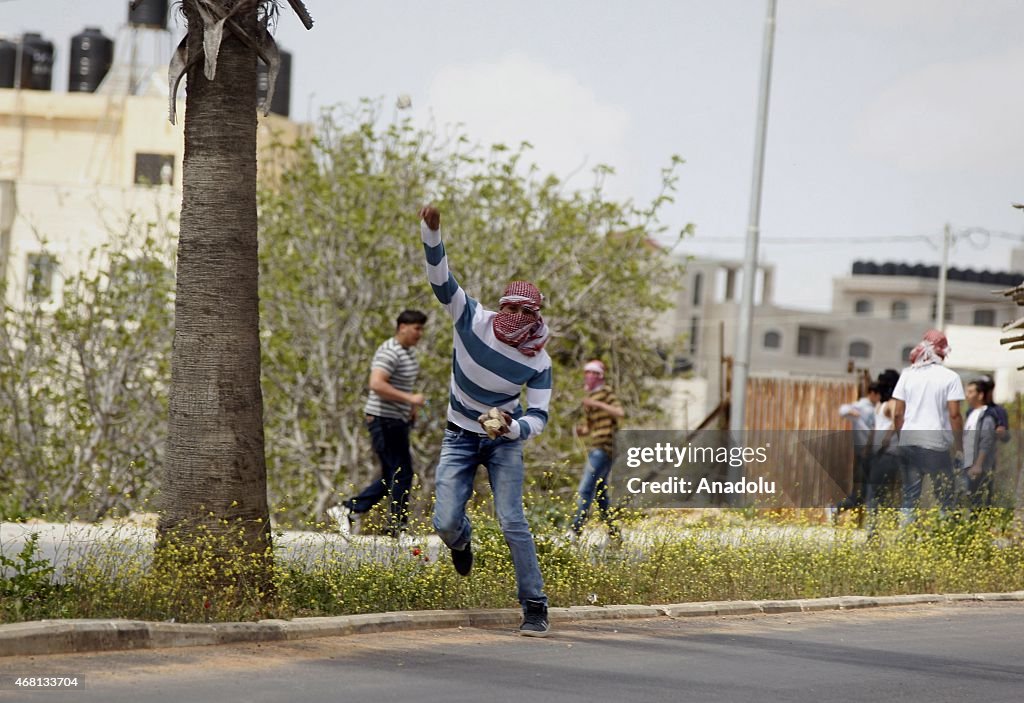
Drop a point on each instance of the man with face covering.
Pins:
(926, 414)
(495, 355)
(601, 414)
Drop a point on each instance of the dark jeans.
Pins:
(916, 462)
(882, 469)
(390, 440)
(861, 472)
(978, 491)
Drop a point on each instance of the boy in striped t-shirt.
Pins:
(390, 412)
(495, 355)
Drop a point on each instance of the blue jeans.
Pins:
(390, 440)
(915, 463)
(881, 470)
(461, 453)
(593, 484)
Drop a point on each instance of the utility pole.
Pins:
(940, 298)
(738, 402)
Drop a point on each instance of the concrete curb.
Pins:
(70, 636)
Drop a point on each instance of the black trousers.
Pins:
(390, 440)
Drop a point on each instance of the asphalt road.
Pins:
(963, 653)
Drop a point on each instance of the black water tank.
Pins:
(91, 57)
(8, 63)
(149, 13)
(859, 268)
(36, 62)
(280, 104)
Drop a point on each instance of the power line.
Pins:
(880, 239)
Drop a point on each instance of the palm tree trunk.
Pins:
(215, 478)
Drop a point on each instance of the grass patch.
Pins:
(662, 560)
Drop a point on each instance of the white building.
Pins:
(77, 168)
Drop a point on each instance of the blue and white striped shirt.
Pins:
(486, 372)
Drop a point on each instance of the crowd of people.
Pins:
(909, 426)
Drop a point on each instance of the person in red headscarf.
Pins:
(601, 414)
(926, 415)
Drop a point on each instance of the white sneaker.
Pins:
(348, 522)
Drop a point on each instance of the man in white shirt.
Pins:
(927, 418)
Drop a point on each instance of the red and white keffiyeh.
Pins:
(527, 333)
(931, 350)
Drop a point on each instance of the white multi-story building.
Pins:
(78, 168)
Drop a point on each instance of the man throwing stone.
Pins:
(495, 355)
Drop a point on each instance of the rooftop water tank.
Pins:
(91, 57)
(148, 13)
(36, 62)
(8, 63)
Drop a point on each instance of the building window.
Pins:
(694, 334)
(905, 353)
(811, 341)
(772, 340)
(900, 310)
(41, 271)
(698, 284)
(862, 307)
(985, 317)
(860, 350)
(154, 169)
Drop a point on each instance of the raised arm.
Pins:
(443, 283)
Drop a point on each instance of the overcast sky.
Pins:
(889, 118)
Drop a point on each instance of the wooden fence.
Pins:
(811, 457)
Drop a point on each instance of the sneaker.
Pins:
(535, 620)
(463, 560)
(348, 521)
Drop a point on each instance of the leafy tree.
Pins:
(84, 384)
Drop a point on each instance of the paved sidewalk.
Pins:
(68, 636)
